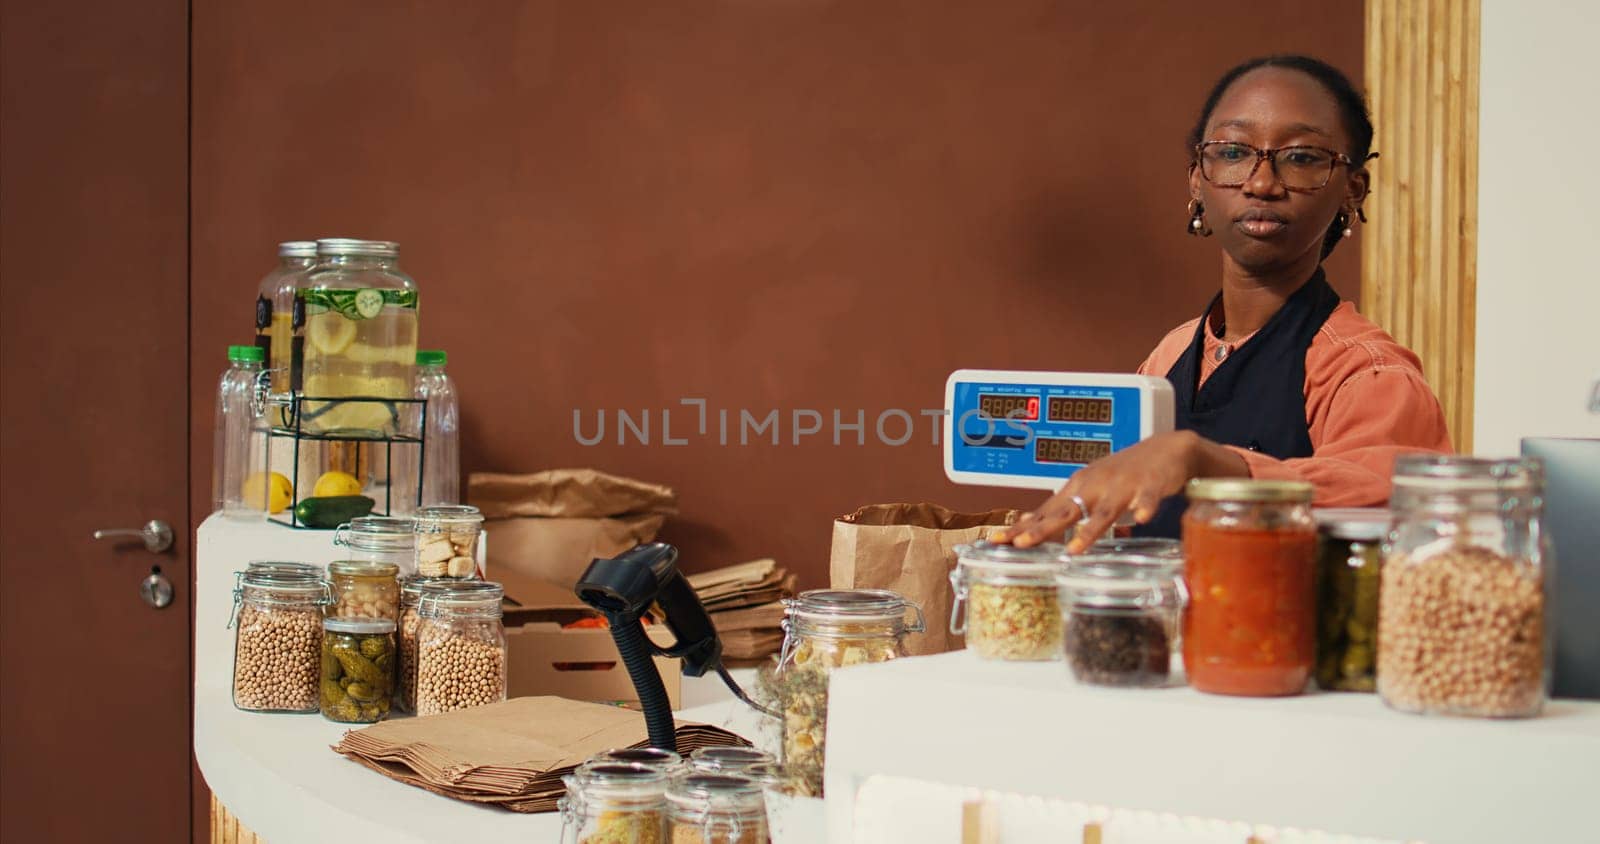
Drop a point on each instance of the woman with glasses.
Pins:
(1277, 378)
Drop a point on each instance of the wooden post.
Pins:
(1419, 258)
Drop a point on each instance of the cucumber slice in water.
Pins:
(369, 303)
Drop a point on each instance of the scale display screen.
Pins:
(1033, 430)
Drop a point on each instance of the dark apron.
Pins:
(1256, 397)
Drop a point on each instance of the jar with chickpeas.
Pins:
(1461, 606)
(461, 646)
(277, 645)
(364, 589)
(405, 695)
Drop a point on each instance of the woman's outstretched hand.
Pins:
(1134, 479)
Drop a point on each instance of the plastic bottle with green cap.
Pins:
(441, 458)
(240, 482)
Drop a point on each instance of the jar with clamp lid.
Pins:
(447, 541)
(1005, 601)
(825, 629)
(729, 760)
(716, 808)
(1461, 617)
(651, 757)
(1349, 562)
(380, 539)
(1120, 614)
(405, 696)
(277, 642)
(461, 646)
(613, 803)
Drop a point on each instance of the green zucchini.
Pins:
(333, 510)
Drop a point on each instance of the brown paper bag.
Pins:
(909, 548)
(551, 525)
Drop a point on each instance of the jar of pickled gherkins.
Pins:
(1250, 551)
(1461, 619)
(447, 540)
(360, 337)
(706, 808)
(405, 697)
(461, 646)
(729, 760)
(1121, 613)
(652, 757)
(358, 664)
(1349, 558)
(380, 539)
(277, 644)
(364, 589)
(614, 803)
(1005, 601)
(825, 629)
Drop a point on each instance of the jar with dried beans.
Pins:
(277, 641)
(461, 646)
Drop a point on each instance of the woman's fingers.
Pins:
(1049, 522)
(1102, 515)
(1144, 505)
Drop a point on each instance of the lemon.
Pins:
(275, 488)
(336, 483)
(330, 332)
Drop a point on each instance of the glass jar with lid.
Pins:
(360, 337)
(617, 802)
(1006, 601)
(652, 757)
(825, 629)
(729, 760)
(358, 664)
(405, 696)
(277, 621)
(1250, 567)
(716, 808)
(461, 646)
(314, 572)
(447, 541)
(1461, 620)
(1144, 546)
(1349, 557)
(381, 539)
(364, 589)
(1121, 614)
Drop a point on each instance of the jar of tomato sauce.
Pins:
(1250, 627)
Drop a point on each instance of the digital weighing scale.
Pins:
(1033, 430)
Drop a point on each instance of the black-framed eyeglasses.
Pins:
(1229, 164)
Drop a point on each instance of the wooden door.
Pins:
(96, 690)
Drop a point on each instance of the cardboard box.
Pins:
(544, 659)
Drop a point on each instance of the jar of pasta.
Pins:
(461, 646)
(1121, 613)
(614, 803)
(826, 629)
(447, 541)
(1461, 620)
(705, 808)
(1250, 567)
(1349, 557)
(364, 589)
(277, 640)
(1005, 601)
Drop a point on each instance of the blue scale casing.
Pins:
(1001, 452)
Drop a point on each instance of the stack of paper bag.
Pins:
(746, 606)
(513, 753)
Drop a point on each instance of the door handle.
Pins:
(156, 535)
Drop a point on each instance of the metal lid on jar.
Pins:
(1453, 473)
(363, 568)
(367, 626)
(341, 247)
(653, 757)
(1121, 581)
(729, 759)
(1353, 524)
(1146, 546)
(1248, 490)
(297, 249)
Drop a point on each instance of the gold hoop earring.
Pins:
(1197, 220)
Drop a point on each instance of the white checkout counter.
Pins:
(1339, 762)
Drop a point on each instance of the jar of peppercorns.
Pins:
(1120, 617)
(1461, 615)
(461, 646)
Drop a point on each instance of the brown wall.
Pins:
(768, 205)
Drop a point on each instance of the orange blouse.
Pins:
(1366, 404)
